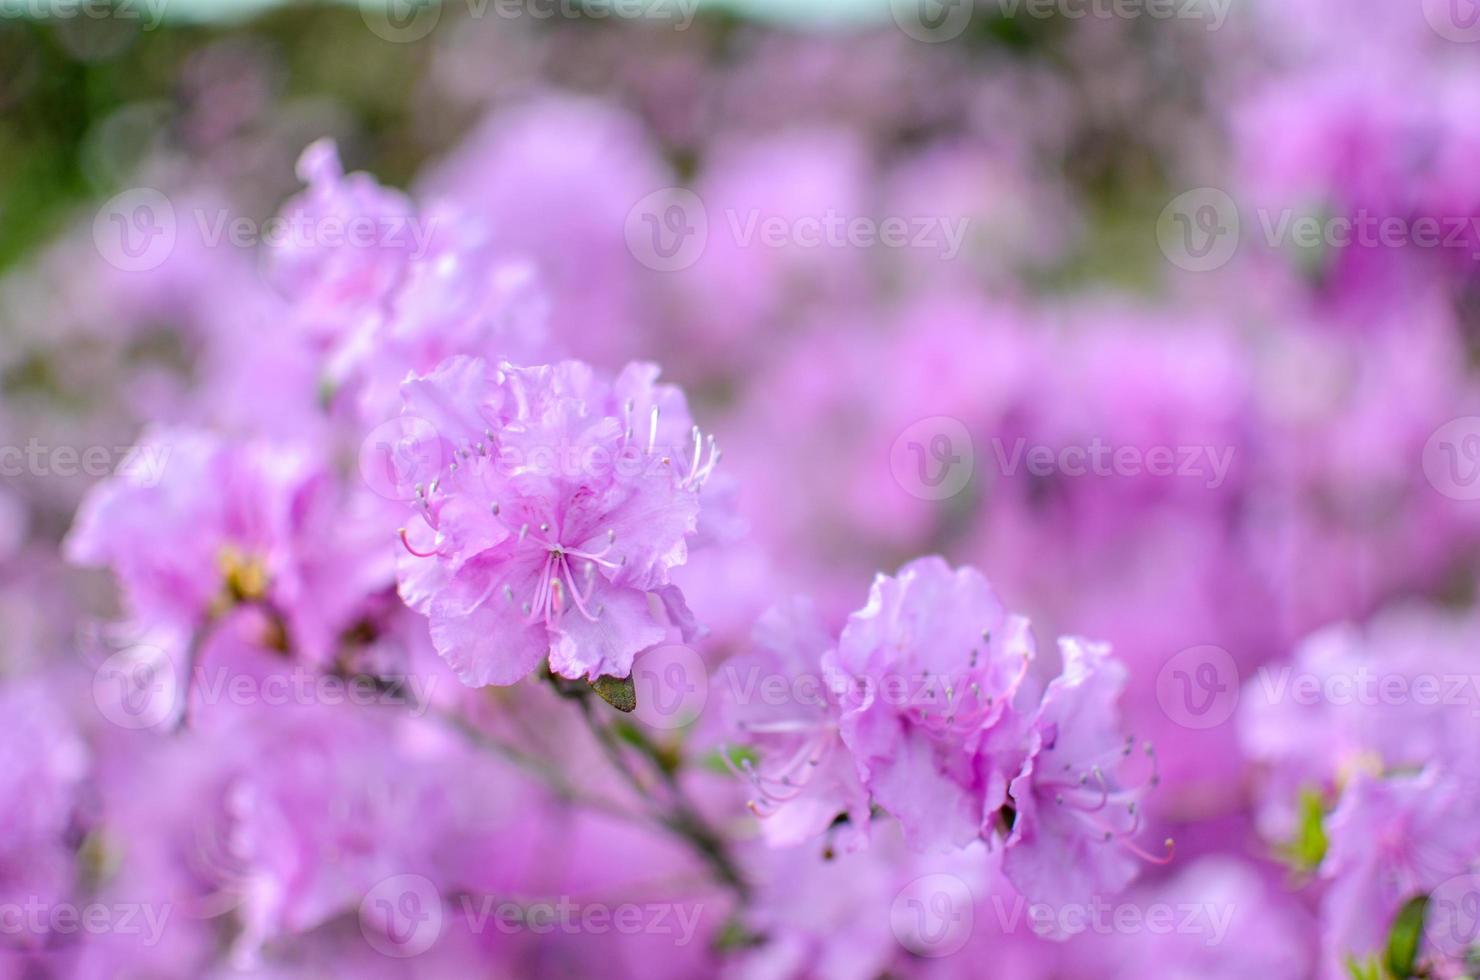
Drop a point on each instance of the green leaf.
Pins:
(1405, 936)
(734, 935)
(1368, 970)
(1308, 848)
(617, 692)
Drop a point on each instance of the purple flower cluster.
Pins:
(931, 707)
(372, 606)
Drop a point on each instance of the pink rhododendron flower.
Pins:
(1075, 812)
(781, 701)
(200, 524)
(385, 288)
(565, 500)
(932, 663)
(1392, 839)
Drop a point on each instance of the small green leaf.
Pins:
(735, 936)
(1308, 848)
(1404, 938)
(617, 692)
(1367, 970)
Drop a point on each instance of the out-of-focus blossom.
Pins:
(1392, 839)
(782, 702)
(554, 180)
(200, 525)
(44, 764)
(385, 289)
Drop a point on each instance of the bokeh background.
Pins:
(1211, 264)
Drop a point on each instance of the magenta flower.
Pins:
(804, 778)
(201, 524)
(347, 244)
(1074, 816)
(564, 501)
(931, 663)
(383, 288)
(1391, 840)
(1391, 696)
